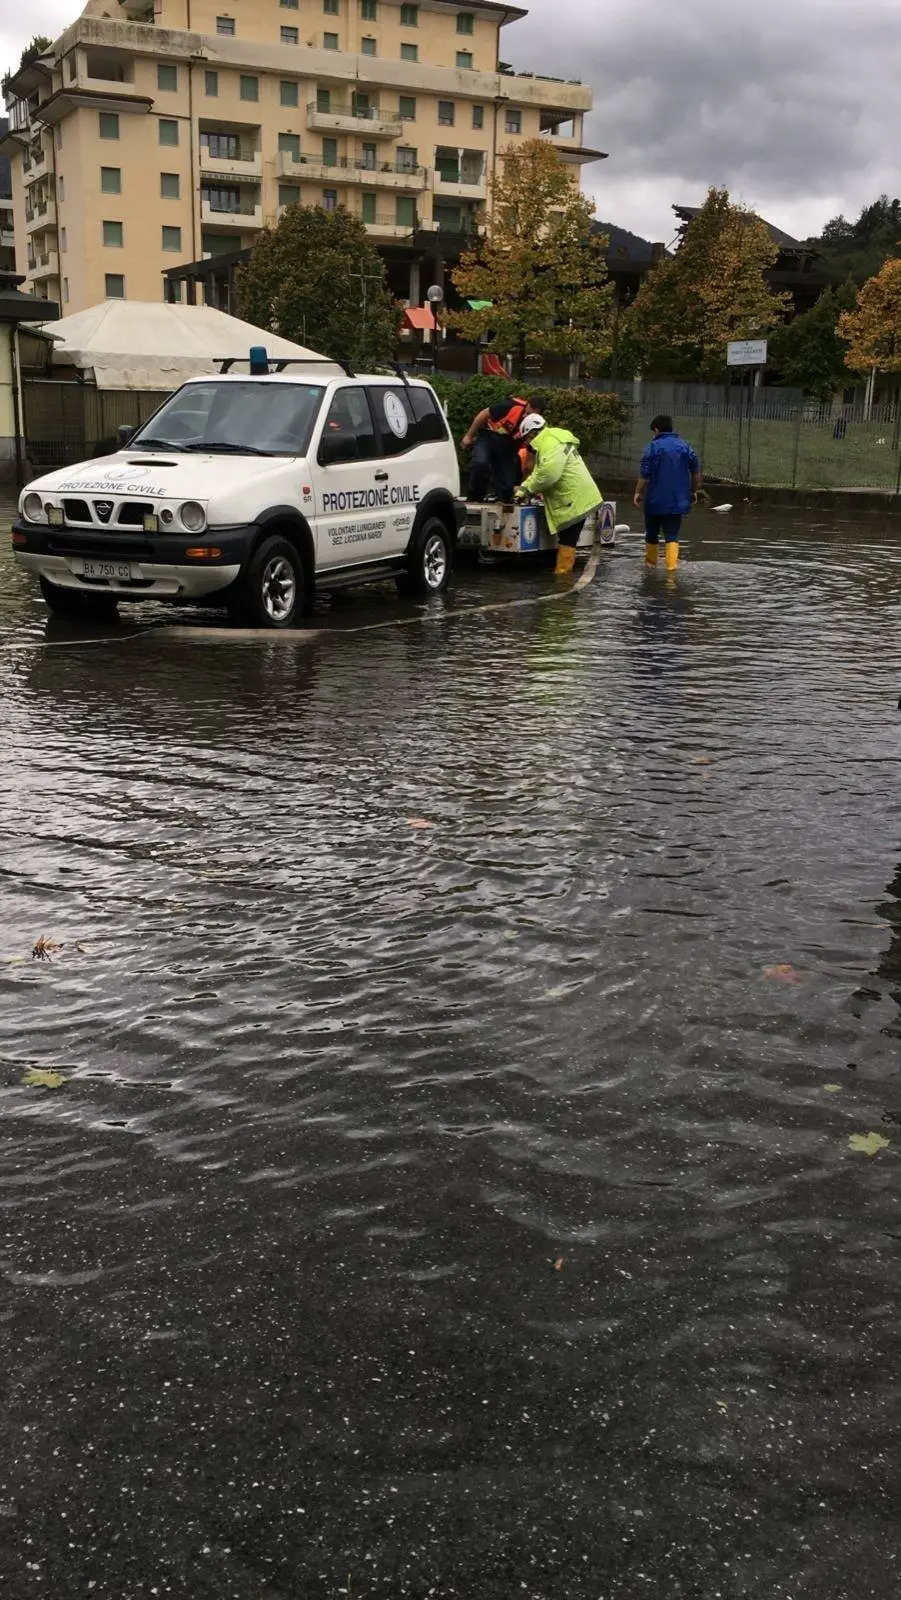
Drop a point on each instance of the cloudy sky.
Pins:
(788, 103)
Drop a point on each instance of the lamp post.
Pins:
(435, 296)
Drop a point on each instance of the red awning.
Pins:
(419, 317)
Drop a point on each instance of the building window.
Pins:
(170, 186)
(289, 145)
(330, 7)
(464, 60)
(289, 93)
(405, 212)
(329, 199)
(409, 16)
(113, 235)
(250, 87)
(221, 146)
(406, 108)
(367, 212)
(63, 240)
(226, 25)
(288, 5)
(72, 67)
(367, 47)
(329, 41)
(465, 22)
(115, 286)
(409, 52)
(288, 194)
(369, 10)
(329, 152)
(513, 123)
(290, 36)
(166, 77)
(478, 116)
(211, 83)
(446, 113)
(111, 180)
(109, 125)
(323, 99)
(221, 197)
(407, 158)
(66, 290)
(168, 131)
(172, 238)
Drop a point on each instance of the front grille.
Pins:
(133, 512)
(103, 548)
(76, 511)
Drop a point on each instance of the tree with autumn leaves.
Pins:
(710, 291)
(539, 277)
(872, 331)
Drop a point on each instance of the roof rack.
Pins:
(280, 363)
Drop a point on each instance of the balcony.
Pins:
(572, 150)
(46, 265)
(460, 187)
(388, 227)
(7, 238)
(246, 165)
(350, 118)
(34, 164)
(231, 219)
(41, 216)
(384, 175)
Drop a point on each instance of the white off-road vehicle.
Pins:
(252, 491)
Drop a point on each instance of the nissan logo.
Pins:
(104, 509)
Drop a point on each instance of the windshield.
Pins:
(235, 418)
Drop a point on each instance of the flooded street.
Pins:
(462, 1029)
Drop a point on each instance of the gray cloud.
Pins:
(792, 104)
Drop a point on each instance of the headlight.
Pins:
(33, 508)
(193, 516)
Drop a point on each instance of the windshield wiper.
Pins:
(225, 447)
(153, 444)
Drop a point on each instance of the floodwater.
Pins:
(465, 1031)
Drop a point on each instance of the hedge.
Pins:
(593, 417)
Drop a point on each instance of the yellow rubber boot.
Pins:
(672, 555)
(650, 555)
(566, 560)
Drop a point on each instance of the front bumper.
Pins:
(160, 568)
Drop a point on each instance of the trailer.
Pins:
(492, 529)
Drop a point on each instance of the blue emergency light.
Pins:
(259, 361)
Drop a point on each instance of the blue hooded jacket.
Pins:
(668, 465)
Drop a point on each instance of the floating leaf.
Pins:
(45, 949)
(833, 1088)
(37, 1078)
(510, 933)
(555, 994)
(868, 1144)
(784, 973)
(559, 1264)
(721, 1406)
(418, 822)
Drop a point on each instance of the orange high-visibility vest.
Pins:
(510, 422)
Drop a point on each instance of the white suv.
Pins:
(250, 492)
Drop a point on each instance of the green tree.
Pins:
(540, 270)
(39, 44)
(858, 250)
(809, 352)
(712, 290)
(316, 279)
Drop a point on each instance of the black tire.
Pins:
(430, 560)
(78, 607)
(274, 591)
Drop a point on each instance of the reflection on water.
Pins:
(461, 1027)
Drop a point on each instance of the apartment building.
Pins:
(7, 229)
(157, 133)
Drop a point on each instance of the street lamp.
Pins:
(435, 296)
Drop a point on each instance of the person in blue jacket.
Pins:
(668, 484)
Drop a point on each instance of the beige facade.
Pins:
(153, 135)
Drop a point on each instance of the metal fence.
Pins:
(68, 422)
(776, 446)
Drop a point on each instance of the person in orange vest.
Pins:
(492, 438)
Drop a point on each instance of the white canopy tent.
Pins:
(133, 344)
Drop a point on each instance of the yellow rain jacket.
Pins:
(562, 479)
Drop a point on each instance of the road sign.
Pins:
(746, 353)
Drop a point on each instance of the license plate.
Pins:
(112, 571)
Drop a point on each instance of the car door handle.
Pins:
(381, 477)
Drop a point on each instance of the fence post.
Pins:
(704, 416)
(797, 445)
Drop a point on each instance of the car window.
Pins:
(407, 417)
(348, 434)
(276, 419)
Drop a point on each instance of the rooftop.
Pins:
(783, 240)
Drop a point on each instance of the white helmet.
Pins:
(533, 423)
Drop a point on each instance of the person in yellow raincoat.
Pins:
(565, 484)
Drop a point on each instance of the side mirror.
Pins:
(333, 448)
(125, 433)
